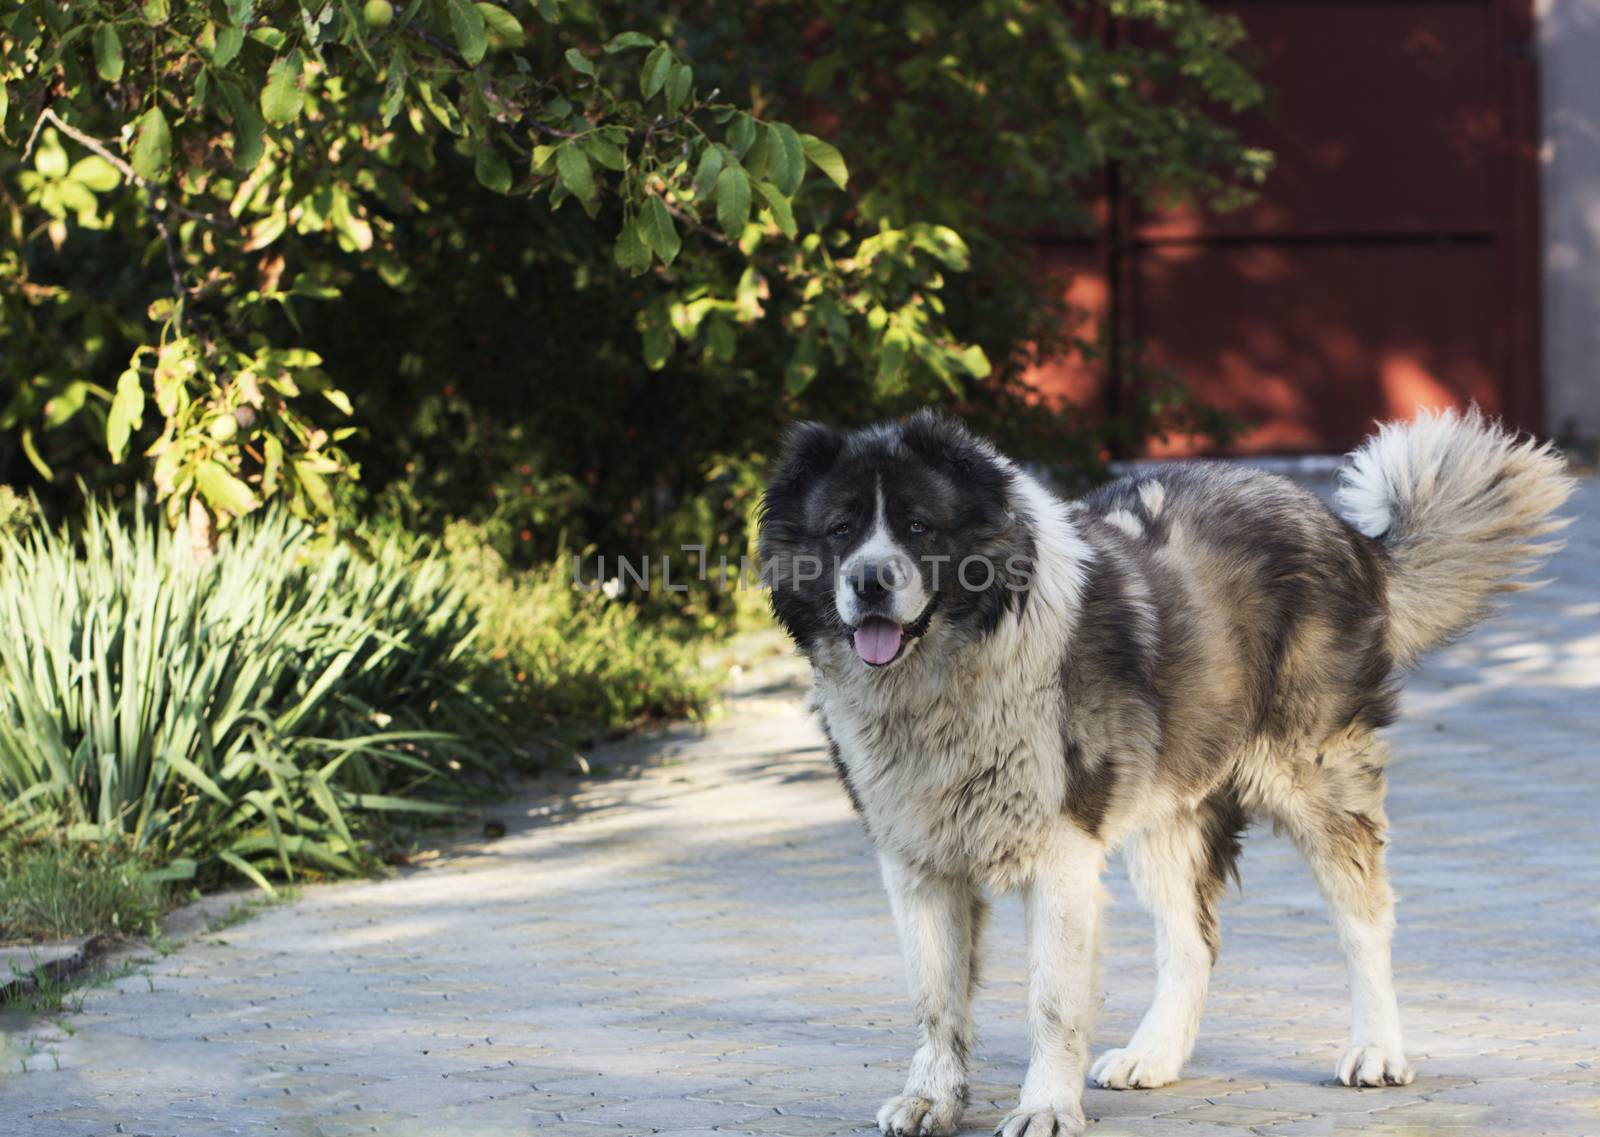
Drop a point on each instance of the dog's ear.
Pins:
(946, 444)
(808, 449)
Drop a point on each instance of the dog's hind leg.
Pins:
(1338, 822)
(1179, 869)
(940, 921)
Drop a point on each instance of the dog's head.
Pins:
(882, 536)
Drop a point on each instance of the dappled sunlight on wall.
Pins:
(1071, 378)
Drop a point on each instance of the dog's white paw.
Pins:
(910, 1116)
(1373, 1065)
(1130, 1069)
(1058, 1121)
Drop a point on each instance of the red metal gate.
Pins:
(1392, 259)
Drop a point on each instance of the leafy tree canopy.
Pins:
(561, 263)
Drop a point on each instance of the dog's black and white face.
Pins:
(882, 536)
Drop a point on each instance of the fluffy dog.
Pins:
(1014, 685)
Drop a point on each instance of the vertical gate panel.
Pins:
(1392, 259)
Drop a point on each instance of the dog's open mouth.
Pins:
(879, 640)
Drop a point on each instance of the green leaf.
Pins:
(657, 344)
(572, 167)
(313, 485)
(579, 62)
(826, 158)
(777, 171)
(265, 231)
(108, 53)
(50, 159)
(491, 169)
(95, 173)
(705, 175)
(284, 96)
(222, 490)
(741, 133)
(228, 42)
(782, 213)
(466, 24)
(66, 403)
(750, 295)
(604, 152)
(152, 146)
(653, 73)
(549, 11)
(658, 231)
(249, 132)
(757, 159)
(782, 139)
(272, 466)
(439, 108)
(154, 11)
(679, 80)
(339, 399)
(503, 25)
(802, 368)
(126, 415)
(179, 868)
(733, 201)
(630, 250)
(975, 361)
(627, 41)
(394, 88)
(892, 359)
(721, 339)
(249, 870)
(32, 452)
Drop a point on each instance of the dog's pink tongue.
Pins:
(878, 640)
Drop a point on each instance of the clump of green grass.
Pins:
(261, 715)
(53, 892)
(581, 665)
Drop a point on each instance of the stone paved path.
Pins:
(703, 947)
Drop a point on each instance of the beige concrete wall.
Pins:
(1569, 68)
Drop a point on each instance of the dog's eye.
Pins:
(918, 526)
(842, 529)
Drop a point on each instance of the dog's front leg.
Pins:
(939, 920)
(1062, 902)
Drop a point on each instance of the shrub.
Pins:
(259, 714)
(582, 664)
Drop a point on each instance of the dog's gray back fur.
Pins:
(1176, 625)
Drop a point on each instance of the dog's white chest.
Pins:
(967, 784)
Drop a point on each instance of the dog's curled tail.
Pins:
(1458, 503)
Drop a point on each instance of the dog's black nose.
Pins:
(874, 582)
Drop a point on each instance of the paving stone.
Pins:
(702, 947)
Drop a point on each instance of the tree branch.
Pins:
(95, 146)
(154, 206)
(699, 226)
(174, 263)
